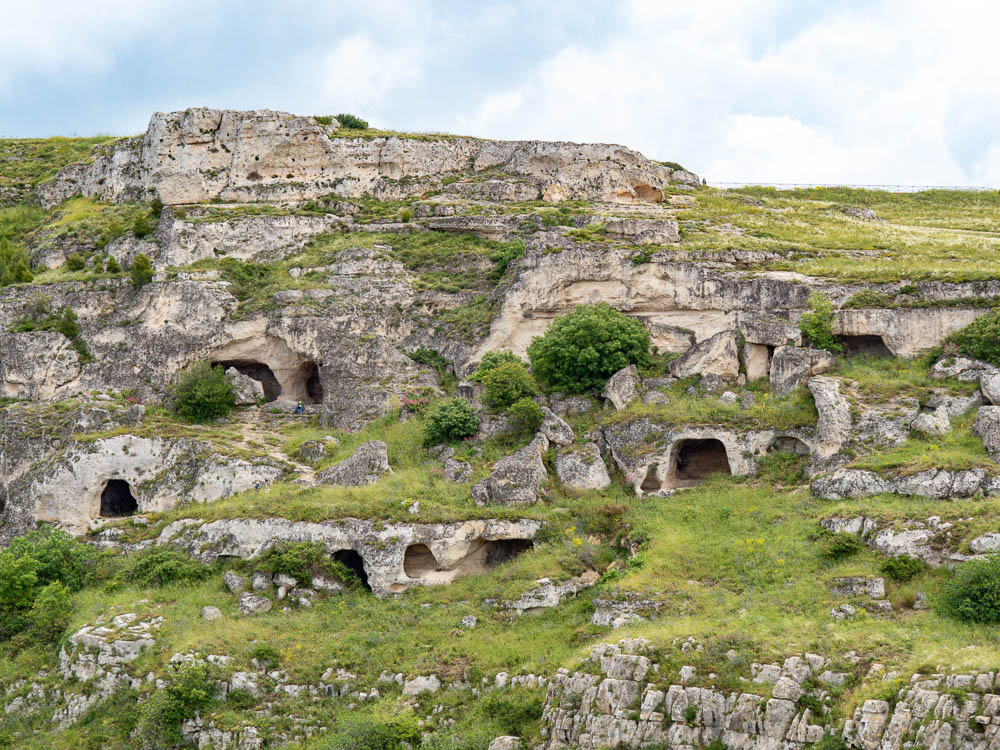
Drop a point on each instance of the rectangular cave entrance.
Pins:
(694, 459)
(117, 500)
(419, 562)
(355, 563)
(868, 345)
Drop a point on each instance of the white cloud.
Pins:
(359, 74)
(753, 90)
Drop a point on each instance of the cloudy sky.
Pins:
(858, 91)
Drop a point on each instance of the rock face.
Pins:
(623, 387)
(714, 356)
(516, 479)
(248, 390)
(35, 364)
(791, 366)
(391, 557)
(200, 154)
(70, 488)
(934, 541)
(988, 429)
(369, 462)
(549, 594)
(582, 468)
(845, 484)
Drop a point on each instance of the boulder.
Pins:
(849, 484)
(517, 478)
(713, 356)
(313, 451)
(935, 422)
(236, 584)
(556, 429)
(369, 462)
(420, 685)
(768, 330)
(990, 385)
(582, 468)
(249, 392)
(791, 366)
(457, 471)
(756, 360)
(859, 586)
(833, 427)
(549, 594)
(506, 742)
(210, 613)
(985, 544)
(251, 604)
(988, 429)
(623, 387)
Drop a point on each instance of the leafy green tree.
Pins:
(141, 271)
(75, 262)
(585, 347)
(491, 360)
(507, 383)
(453, 420)
(817, 324)
(525, 417)
(49, 614)
(203, 393)
(142, 225)
(112, 266)
(352, 122)
(14, 265)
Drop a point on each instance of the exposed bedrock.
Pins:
(395, 556)
(200, 154)
(118, 476)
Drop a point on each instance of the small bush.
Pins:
(513, 712)
(203, 393)
(15, 267)
(504, 255)
(525, 417)
(189, 690)
(163, 565)
(973, 594)
(366, 733)
(453, 420)
(867, 299)
(296, 559)
(690, 714)
(112, 266)
(584, 348)
(507, 383)
(817, 324)
(266, 655)
(492, 360)
(980, 339)
(142, 225)
(49, 615)
(75, 262)
(352, 122)
(903, 568)
(156, 208)
(323, 119)
(141, 271)
(837, 545)
(831, 742)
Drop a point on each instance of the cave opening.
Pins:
(353, 562)
(259, 372)
(117, 500)
(695, 459)
(651, 482)
(309, 373)
(420, 563)
(867, 345)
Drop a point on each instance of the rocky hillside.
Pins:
(281, 466)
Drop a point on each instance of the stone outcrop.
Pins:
(248, 391)
(987, 427)
(66, 488)
(201, 154)
(833, 427)
(582, 468)
(714, 356)
(395, 556)
(791, 366)
(934, 541)
(369, 462)
(845, 484)
(623, 387)
(549, 594)
(516, 479)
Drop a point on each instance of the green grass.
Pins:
(880, 379)
(30, 161)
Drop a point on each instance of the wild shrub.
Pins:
(505, 254)
(266, 655)
(585, 347)
(903, 568)
(15, 267)
(507, 383)
(49, 614)
(525, 417)
(492, 360)
(368, 733)
(296, 559)
(351, 122)
(142, 225)
(163, 565)
(817, 324)
(141, 271)
(203, 393)
(75, 262)
(980, 339)
(453, 420)
(836, 545)
(112, 266)
(973, 593)
(512, 712)
(189, 690)
(38, 317)
(156, 208)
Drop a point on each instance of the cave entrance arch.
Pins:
(788, 444)
(867, 345)
(311, 383)
(258, 371)
(353, 562)
(652, 482)
(421, 564)
(694, 459)
(117, 500)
